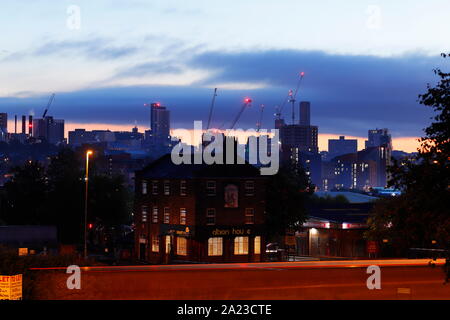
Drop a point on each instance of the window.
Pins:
(182, 215)
(215, 246)
(249, 188)
(155, 215)
(211, 188)
(181, 246)
(210, 216)
(144, 187)
(249, 216)
(240, 245)
(166, 215)
(167, 188)
(144, 213)
(183, 188)
(168, 245)
(154, 187)
(257, 245)
(155, 244)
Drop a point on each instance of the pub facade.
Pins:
(199, 213)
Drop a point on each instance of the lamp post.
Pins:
(86, 179)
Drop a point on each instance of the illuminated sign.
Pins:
(232, 232)
(11, 287)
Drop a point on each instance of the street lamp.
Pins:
(86, 179)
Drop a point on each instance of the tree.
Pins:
(25, 195)
(287, 192)
(421, 215)
(55, 196)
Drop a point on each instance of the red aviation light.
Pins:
(302, 74)
(247, 100)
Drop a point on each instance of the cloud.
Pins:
(95, 48)
(349, 94)
(144, 69)
(353, 92)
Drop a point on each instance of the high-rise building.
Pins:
(379, 137)
(4, 122)
(3, 126)
(160, 123)
(158, 139)
(299, 145)
(305, 138)
(341, 146)
(305, 110)
(48, 129)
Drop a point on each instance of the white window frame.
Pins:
(166, 215)
(257, 245)
(144, 187)
(248, 214)
(166, 186)
(209, 216)
(215, 246)
(240, 245)
(181, 246)
(144, 212)
(249, 188)
(155, 214)
(155, 187)
(183, 188)
(183, 216)
(155, 244)
(212, 188)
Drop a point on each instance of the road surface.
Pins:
(400, 279)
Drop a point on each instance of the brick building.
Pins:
(199, 213)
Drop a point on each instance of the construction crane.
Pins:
(211, 108)
(291, 97)
(247, 103)
(259, 123)
(52, 97)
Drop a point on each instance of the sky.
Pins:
(365, 62)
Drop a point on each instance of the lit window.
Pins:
(168, 245)
(144, 213)
(257, 245)
(166, 215)
(182, 215)
(240, 245)
(215, 246)
(210, 216)
(155, 215)
(249, 216)
(181, 246)
(155, 244)
(166, 188)
(183, 188)
(144, 187)
(154, 187)
(211, 188)
(249, 188)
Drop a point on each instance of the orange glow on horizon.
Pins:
(407, 144)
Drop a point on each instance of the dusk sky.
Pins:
(365, 61)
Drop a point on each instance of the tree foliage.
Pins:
(421, 215)
(287, 193)
(55, 196)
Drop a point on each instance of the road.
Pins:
(400, 279)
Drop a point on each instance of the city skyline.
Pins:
(366, 73)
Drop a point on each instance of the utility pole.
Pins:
(88, 153)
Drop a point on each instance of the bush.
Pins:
(11, 264)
